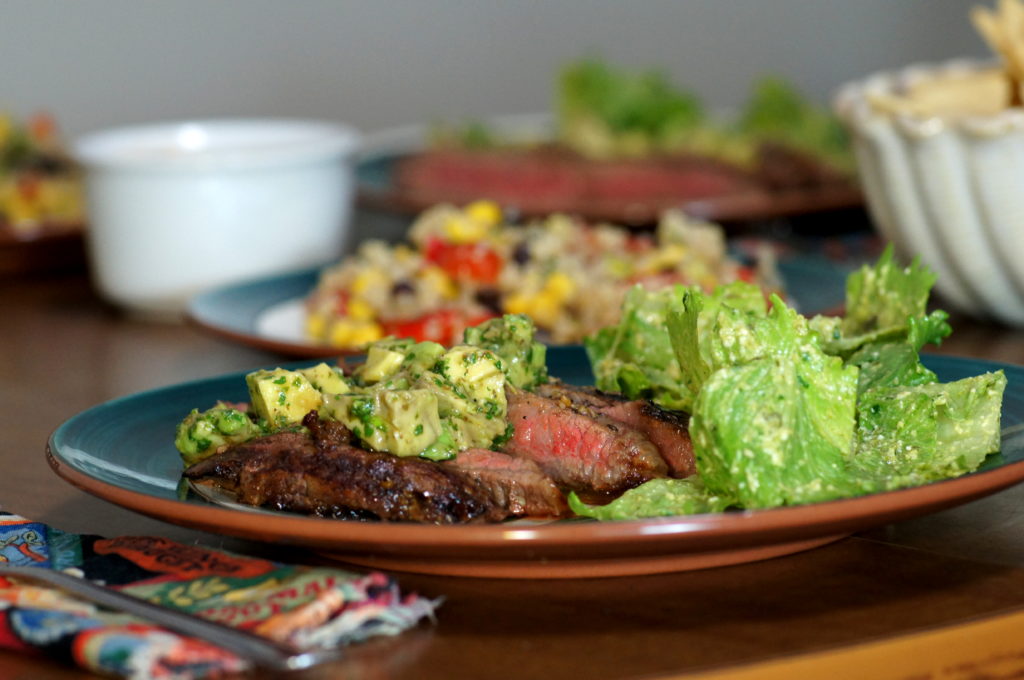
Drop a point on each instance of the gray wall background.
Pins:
(97, 63)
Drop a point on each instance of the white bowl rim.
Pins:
(852, 101)
(217, 143)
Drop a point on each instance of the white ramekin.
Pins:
(175, 208)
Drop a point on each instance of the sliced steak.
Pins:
(322, 474)
(516, 484)
(580, 451)
(224, 468)
(544, 179)
(667, 430)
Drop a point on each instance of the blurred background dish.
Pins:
(624, 146)
(178, 207)
(458, 266)
(270, 313)
(942, 182)
(41, 212)
(940, 151)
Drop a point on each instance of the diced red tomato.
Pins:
(639, 244)
(444, 326)
(29, 187)
(341, 299)
(465, 261)
(42, 127)
(747, 274)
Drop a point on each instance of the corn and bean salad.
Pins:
(463, 265)
(40, 187)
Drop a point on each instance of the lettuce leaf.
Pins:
(776, 428)
(776, 111)
(884, 303)
(888, 364)
(642, 102)
(656, 498)
(638, 358)
(635, 357)
(786, 410)
(923, 433)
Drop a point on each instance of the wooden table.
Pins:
(62, 350)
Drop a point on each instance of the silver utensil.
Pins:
(261, 651)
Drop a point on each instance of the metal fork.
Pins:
(262, 652)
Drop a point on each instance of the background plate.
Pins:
(267, 313)
(383, 151)
(123, 451)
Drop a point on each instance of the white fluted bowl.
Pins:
(949, 189)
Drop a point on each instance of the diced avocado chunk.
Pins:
(387, 358)
(510, 337)
(474, 370)
(422, 355)
(418, 399)
(202, 434)
(444, 447)
(326, 379)
(381, 363)
(282, 397)
(470, 388)
(402, 422)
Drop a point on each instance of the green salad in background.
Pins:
(786, 410)
(603, 112)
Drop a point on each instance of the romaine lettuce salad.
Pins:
(787, 410)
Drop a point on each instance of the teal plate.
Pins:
(268, 314)
(123, 451)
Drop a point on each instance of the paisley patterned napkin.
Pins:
(311, 607)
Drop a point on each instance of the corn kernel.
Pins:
(316, 326)
(21, 209)
(339, 333)
(545, 309)
(560, 286)
(441, 282)
(350, 333)
(359, 310)
(618, 267)
(666, 257)
(403, 253)
(485, 212)
(517, 304)
(367, 333)
(367, 279)
(459, 229)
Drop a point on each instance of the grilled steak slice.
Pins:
(580, 451)
(224, 468)
(667, 430)
(322, 474)
(546, 179)
(516, 484)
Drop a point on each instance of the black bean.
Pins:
(521, 253)
(403, 287)
(489, 298)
